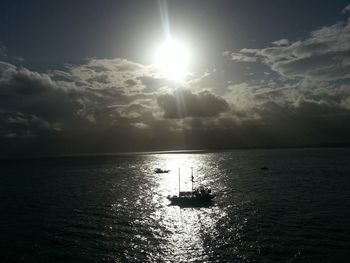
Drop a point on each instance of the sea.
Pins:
(114, 208)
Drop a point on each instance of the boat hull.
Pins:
(195, 201)
(161, 171)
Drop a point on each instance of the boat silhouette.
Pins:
(198, 197)
(161, 171)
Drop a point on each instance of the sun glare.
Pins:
(172, 59)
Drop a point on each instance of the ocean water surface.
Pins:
(113, 208)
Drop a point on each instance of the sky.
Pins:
(83, 77)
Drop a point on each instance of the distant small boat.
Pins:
(161, 171)
(264, 168)
(197, 197)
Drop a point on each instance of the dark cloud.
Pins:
(302, 97)
(303, 100)
(76, 110)
(70, 112)
(36, 94)
(130, 82)
(183, 103)
(286, 117)
(16, 124)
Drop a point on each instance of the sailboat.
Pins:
(197, 197)
(161, 171)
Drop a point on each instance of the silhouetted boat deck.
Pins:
(161, 171)
(198, 197)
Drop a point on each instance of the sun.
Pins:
(172, 58)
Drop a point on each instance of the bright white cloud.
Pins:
(323, 56)
(281, 42)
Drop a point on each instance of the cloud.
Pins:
(346, 9)
(324, 56)
(183, 103)
(294, 116)
(36, 94)
(153, 84)
(287, 117)
(16, 124)
(6, 55)
(301, 97)
(281, 42)
(92, 107)
(239, 57)
(73, 110)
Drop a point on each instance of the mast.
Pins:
(192, 178)
(179, 182)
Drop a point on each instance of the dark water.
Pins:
(114, 209)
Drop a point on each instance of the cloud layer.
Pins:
(184, 103)
(296, 93)
(325, 55)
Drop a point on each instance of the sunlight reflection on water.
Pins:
(168, 183)
(114, 208)
(186, 226)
